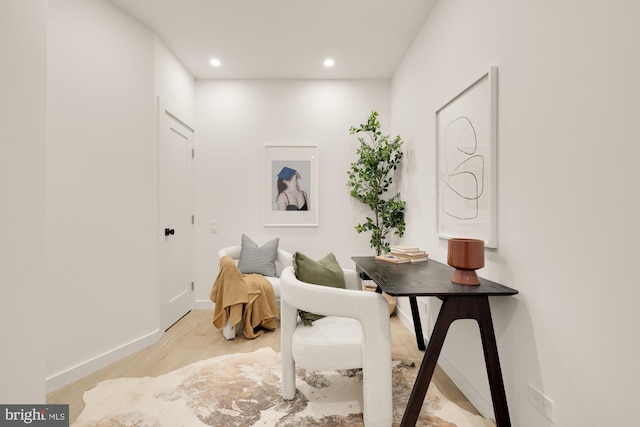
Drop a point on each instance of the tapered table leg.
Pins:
(417, 325)
(454, 308)
(414, 311)
(428, 365)
(492, 362)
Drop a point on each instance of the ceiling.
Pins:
(284, 39)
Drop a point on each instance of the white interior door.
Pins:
(175, 164)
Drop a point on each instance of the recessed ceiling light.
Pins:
(215, 62)
(329, 62)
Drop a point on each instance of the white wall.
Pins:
(101, 196)
(22, 199)
(235, 120)
(567, 195)
(173, 82)
(105, 71)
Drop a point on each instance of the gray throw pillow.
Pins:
(258, 259)
(324, 272)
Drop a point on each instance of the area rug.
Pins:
(243, 389)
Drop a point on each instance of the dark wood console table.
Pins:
(433, 279)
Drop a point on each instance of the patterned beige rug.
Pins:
(244, 390)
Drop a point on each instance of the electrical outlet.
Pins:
(541, 402)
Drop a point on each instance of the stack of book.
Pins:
(392, 258)
(409, 253)
(402, 254)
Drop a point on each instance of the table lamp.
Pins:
(466, 256)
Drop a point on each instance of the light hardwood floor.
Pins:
(194, 338)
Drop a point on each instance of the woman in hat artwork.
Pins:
(290, 196)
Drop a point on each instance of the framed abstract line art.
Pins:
(466, 139)
(291, 186)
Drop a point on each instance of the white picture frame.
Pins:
(302, 206)
(466, 143)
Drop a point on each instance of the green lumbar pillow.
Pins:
(325, 272)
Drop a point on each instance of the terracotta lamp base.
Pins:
(466, 256)
(465, 277)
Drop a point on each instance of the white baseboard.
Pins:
(477, 399)
(481, 402)
(406, 320)
(83, 369)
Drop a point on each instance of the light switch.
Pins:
(214, 226)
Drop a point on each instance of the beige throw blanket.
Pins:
(247, 297)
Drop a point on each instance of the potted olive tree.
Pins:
(370, 178)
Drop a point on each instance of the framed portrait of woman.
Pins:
(291, 186)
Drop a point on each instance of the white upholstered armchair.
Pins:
(283, 259)
(354, 334)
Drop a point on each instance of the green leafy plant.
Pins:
(371, 177)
